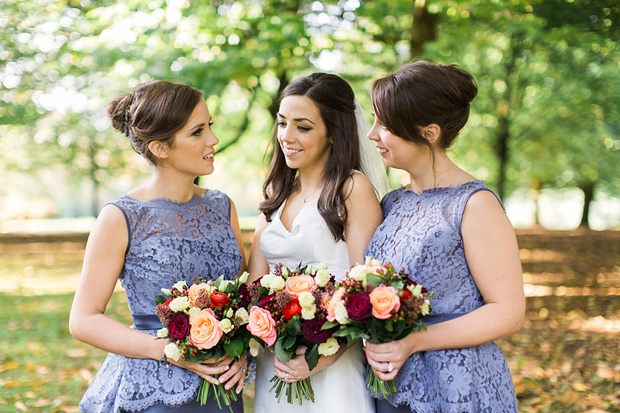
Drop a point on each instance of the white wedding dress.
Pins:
(341, 386)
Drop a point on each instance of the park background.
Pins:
(544, 133)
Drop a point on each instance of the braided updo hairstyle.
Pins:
(153, 111)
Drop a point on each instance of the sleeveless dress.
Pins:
(422, 233)
(341, 386)
(168, 242)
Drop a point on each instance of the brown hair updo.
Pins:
(153, 111)
(421, 93)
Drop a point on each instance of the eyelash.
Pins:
(302, 128)
(198, 132)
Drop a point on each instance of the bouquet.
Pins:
(203, 321)
(289, 311)
(378, 304)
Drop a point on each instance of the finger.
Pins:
(214, 370)
(240, 383)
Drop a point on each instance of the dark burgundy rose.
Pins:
(312, 330)
(244, 295)
(291, 308)
(179, 326)
(358, 306)
(263, 302)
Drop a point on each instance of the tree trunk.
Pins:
(423, 27)
(588, 196)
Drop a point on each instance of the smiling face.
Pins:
(302, 134)
(396, 152)
(194, 145)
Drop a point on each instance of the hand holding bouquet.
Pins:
(289, 312)
(203, 321)
(378, 304)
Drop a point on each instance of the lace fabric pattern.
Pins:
(421, 233)
(168, 242)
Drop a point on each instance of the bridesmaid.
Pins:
(451, 234)
(164, 231)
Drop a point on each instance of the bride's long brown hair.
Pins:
(336, 103)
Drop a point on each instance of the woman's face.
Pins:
(396, 152)
(302, 134)
(194, 145)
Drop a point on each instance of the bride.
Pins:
(320, 206)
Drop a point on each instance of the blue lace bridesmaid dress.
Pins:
(168, 242)
(422, 233)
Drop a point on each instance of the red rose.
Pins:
(406, 294)
(291, 308)
(178, 328)
(313, 330)
(218, 299)
(359, 306)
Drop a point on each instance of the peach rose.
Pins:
(262, 325)
(384, 300)
(194, 292)
(205, 331)
(300, 284)
(333, 304)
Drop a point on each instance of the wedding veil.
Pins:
(372, 164)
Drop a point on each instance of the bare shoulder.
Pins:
(359, 186)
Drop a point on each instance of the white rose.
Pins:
(229, 313)
(223, 285)
(166, 291)
(342, 316)
(172, 351)
(329, 348)
(266, 280)
(306, 299)
(308, 269)
(322, 277)
(241, 315)
(226, 325)
(307, 313)
(358, 272)
(179, 304)
(244, 277)
(179, 285)
(277, 283)
(163, 333)
(285, 271)
(416, 291)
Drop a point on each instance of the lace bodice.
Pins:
(168, 242)
(422, 233)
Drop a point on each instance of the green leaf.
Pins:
(374, 280)
(289, 342)
(329, 324)
(281, 352)
(312, 356)
(160, 299)
(234, 348)
(293, 327)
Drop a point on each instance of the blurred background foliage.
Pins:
(547, 117)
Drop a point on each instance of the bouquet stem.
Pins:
(219, 392)
(301, 390)
(380, 388)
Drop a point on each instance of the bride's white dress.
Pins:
(340, 387)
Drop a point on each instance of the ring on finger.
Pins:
(243, 370)
(286, 377)
(390, 367)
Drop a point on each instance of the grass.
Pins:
(565, 359)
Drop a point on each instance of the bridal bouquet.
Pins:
(203, 321)
(288, 311)
(378, 304)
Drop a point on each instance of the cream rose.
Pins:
(171, 350)
(322, 277)
(330, 347)
(226, 325)
(179, 304)
(277, 283)
(241, 315)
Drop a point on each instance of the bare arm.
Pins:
(493, 258)
(257, 266)
(364, 216)
(234, 223)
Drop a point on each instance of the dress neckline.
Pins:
(279, 214)
(169, 201)
(438, 189)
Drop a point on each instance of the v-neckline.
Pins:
(281, 209)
